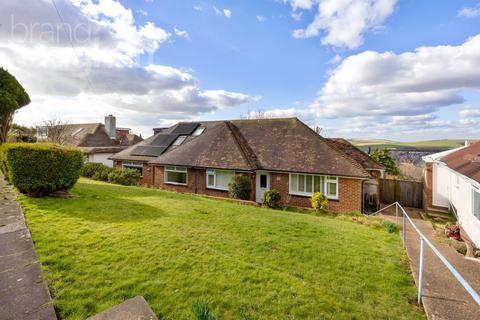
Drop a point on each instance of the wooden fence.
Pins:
(407, 193)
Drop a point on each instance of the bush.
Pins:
(240, 187)
(202, 311)
(89, 169)
(40, 169)
(126, 177)
(390, 226)
(319, 202)
(101, 174)
(271, 198)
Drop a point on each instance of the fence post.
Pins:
(420, 272)
(396, 212)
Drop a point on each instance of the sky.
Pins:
(391, 69)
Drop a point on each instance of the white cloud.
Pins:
(411, 83)
(335, 60)
(222, 12)
(470, 112)
(198, 8)
(342, 23)
(181, 33)
(227, 13)
(102, 73)
(469, 12)
(260, 18)
(142, 12)
(297, 15)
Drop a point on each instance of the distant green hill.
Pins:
(444, 144)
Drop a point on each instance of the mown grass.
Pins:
(111, 243)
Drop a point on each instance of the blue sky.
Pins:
(241, 56)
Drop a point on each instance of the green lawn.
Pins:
(444, 144)
(111, 243)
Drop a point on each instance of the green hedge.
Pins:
(100, 172)
(40, 169)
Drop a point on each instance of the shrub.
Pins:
(126, 177)
(390, 226)
(40, 169)
(319, 202)
(89, 169)
(102, 172)
(240, 187)
(202, 311)
(271, 198)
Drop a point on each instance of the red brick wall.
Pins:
(349, 197)
(196, 183)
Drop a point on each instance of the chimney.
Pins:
(111, 126)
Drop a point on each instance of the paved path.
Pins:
(443, 296)
(23, 292)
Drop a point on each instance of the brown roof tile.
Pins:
(465, 161)
(270, 144)
(356, 154)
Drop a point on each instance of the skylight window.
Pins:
(179, 140)
(198, 131)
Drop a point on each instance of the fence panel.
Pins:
(407, 193)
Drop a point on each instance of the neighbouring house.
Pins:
(452, 181)
(98, 141)
(371, 187)
(281, 154)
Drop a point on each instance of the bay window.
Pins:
(308, 184)
(219, 179)
(176, 175)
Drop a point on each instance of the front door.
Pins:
(263, 184)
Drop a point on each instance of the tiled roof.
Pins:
(465, 161)
(268, 144)
(356, 154)
(89, 136)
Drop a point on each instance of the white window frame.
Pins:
(473, 202)
(179, 140)
(326, 180)
(213, 172)
(132, 165)
(175, 169)
(198, 131)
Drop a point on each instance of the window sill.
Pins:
(218, 189)
(175, 183)
(309, 196)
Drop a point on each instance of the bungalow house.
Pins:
(281, 154)
(96, 140)
(452, 181)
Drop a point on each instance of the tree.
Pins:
(384, 158)
(12, 97)
(54, 131)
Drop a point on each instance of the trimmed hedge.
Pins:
(126, 177)
(100, 172)
(40, 169)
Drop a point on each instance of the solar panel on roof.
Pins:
(149, 151)
(163, 140)
(185, 128)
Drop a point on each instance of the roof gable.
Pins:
(465, 161)
(354, 153)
